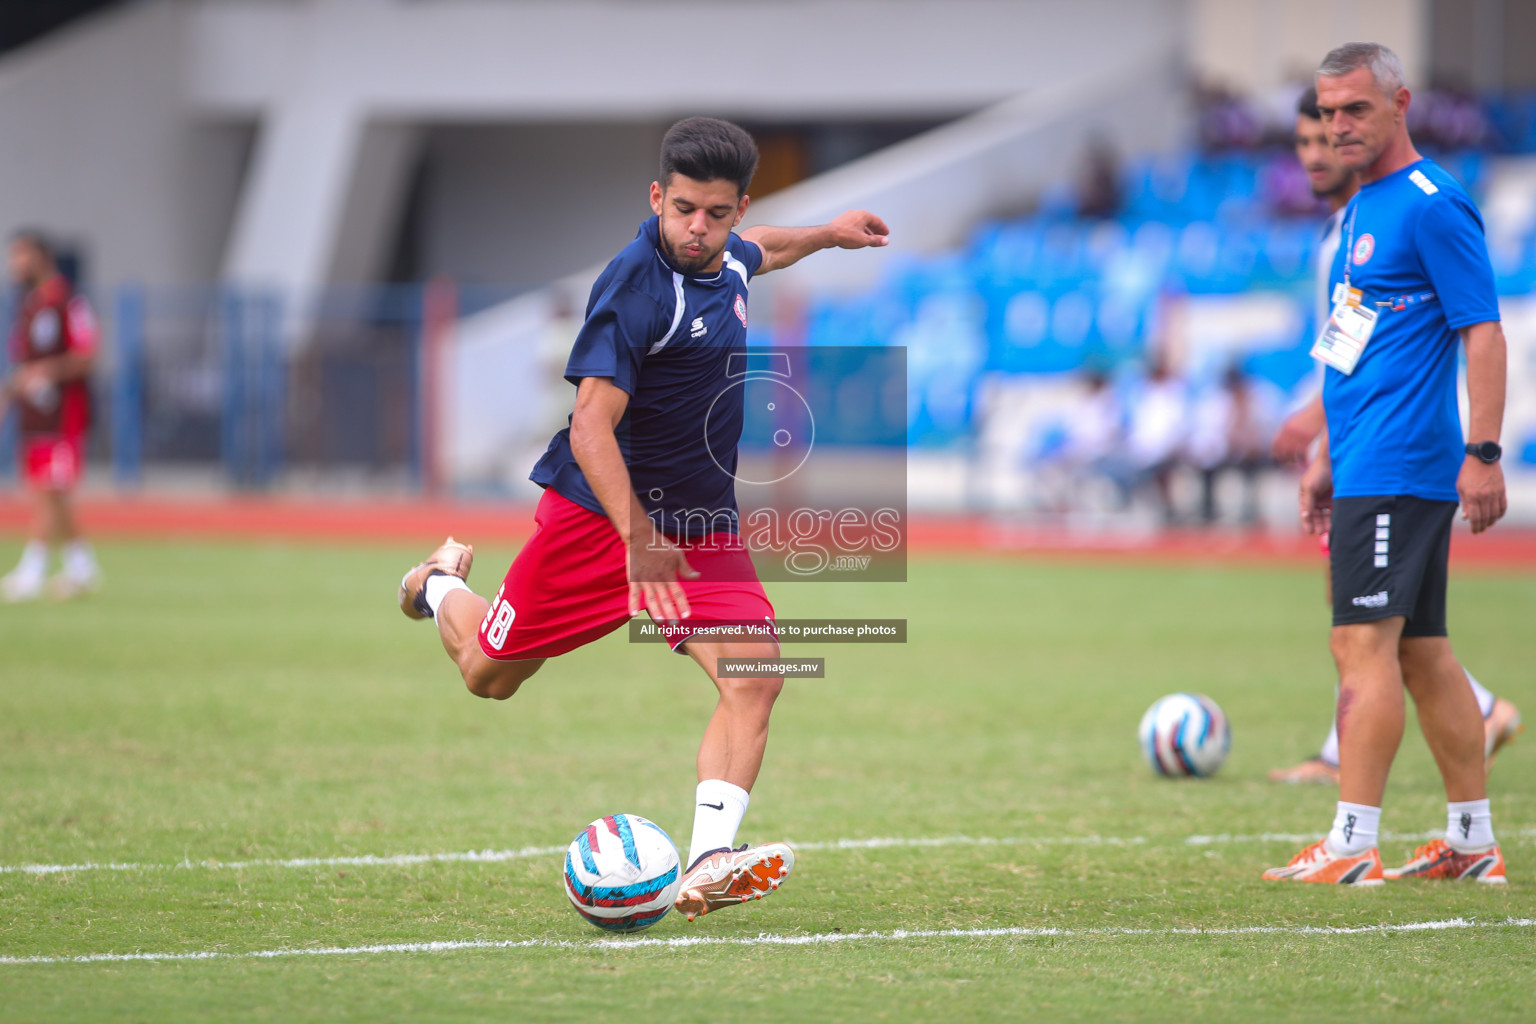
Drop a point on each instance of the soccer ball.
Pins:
(1185, 734)
(622, 873)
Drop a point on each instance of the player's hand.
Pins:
(1316, 498)
(1483, 500)
(31, 381)
(654, 566)
(859, 229)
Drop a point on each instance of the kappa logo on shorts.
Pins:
(1376, 600)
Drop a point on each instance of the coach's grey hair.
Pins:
(1386, 69)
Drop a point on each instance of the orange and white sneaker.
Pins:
(726, 877)
(450, 559)
(1437, 859)
(1313, 769)
(1317, 863)
(1501, 726)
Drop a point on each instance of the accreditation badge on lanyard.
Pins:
(1344, 337)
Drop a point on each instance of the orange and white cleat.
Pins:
(1312, 770)
(727, 878)
(1437, 859)
(1501, 726)
(450, 559)
(1317, 863)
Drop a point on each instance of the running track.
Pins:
(426, 521)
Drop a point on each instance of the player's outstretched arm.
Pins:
(653, 562)
(1481, 486)
(784, 247)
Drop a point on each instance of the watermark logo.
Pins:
(805, 475)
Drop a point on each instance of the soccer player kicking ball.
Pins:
(639, 507)
(1411, 279)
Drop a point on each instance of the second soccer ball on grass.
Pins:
(1185, 734)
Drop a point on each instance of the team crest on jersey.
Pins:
(1363, 249)
(741, 309)
(45, 329)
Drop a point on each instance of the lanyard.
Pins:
(1349, 250)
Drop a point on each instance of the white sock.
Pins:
(79, 560)
(717, 816)
(1354, 829)
(1330, 752)
(1469, 826)
(439, 587)
(33, 563)
(1485, 697)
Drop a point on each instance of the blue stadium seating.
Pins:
(1053, 293)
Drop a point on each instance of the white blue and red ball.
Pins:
(622, 873)
(1185, 734)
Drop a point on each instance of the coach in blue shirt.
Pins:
(1410, 281)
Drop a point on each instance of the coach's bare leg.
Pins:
(458, 624)
(1448, 714)
(1371, 706)
(737, 733)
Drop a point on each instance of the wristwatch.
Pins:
(1486, 451)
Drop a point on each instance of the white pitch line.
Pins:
(527, 852)
(815, 939)
(364, 860)
(1312, 837)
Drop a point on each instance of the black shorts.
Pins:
(1389, 556)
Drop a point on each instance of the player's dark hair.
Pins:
(35, 238)
(1307, 105)
(707, 149)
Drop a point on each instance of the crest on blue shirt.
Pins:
(740, 306)
(1363, 249)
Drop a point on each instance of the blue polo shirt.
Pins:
(668, 339)
(1413, 240)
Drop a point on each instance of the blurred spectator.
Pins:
(1225, 120)
(1082, 447)
(1229, 432)
(1096, 432)
(1156, 434)
(1099, 194)
(1447, 118)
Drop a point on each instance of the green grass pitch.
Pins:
(235, 703)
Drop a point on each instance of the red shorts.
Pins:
(568, 586)
(52, 463)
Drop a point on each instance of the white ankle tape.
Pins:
(439, 587)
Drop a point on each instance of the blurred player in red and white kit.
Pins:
(52, 350)
(1336, 184)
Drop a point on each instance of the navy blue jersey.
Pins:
(1414, 245)
(667, 339)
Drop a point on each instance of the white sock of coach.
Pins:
(718, 815)
(1354, 829)
(1485, 697)
(1469, 826)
